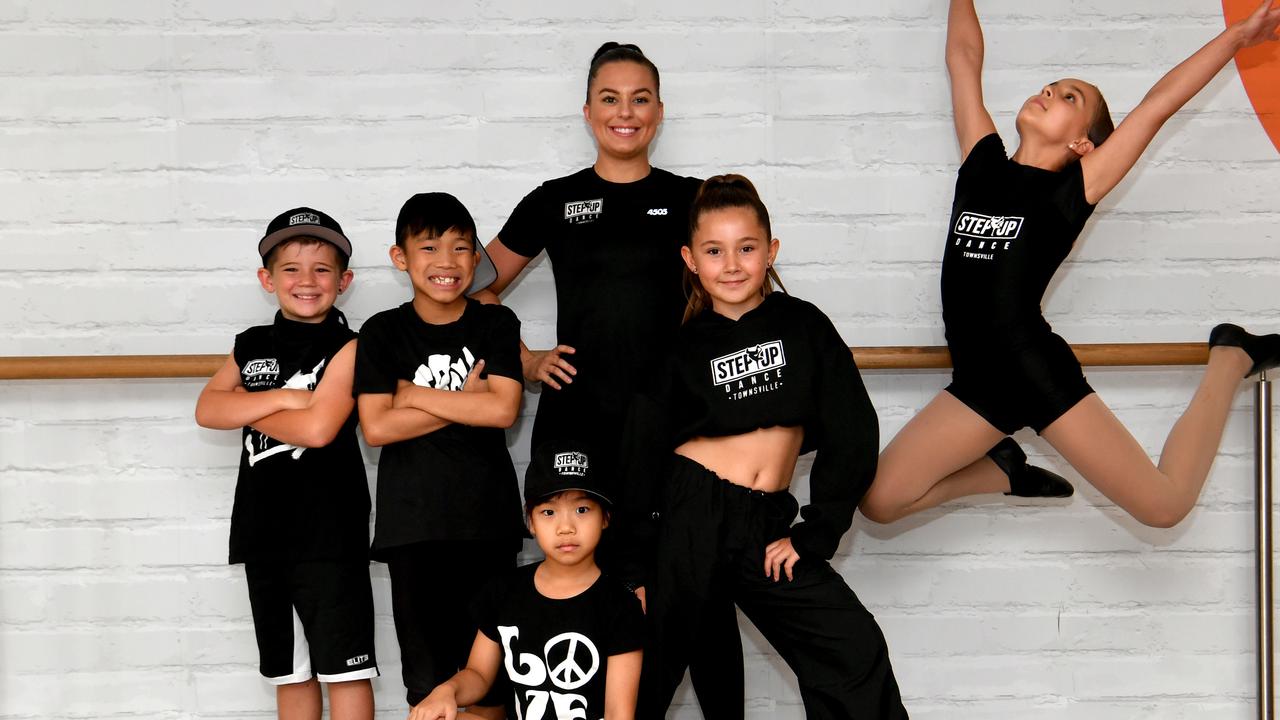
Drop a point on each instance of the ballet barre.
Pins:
(77, 367)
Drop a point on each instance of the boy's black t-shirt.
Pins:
(1012, 225)
(615, 254)
(297, 504)
(457, 483)
(555, 652)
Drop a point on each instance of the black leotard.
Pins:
(1012, 225)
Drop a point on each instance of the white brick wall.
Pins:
(144, 145)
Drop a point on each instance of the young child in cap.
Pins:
(438, 379)
(300, 521)
(565, 636)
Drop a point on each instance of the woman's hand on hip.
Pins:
(549, 366)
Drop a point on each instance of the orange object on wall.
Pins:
(1259, 68)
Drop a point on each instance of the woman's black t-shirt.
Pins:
(457, 483)
(615, 255)
(556, 652)
(1012, 225)
(296, 504)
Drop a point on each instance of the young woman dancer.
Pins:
(613, 234)
(757, 378)
(1013, 222)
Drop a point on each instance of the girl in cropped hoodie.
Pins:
(1013, 222)
(757, 378)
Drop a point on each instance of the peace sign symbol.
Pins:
(578, 653)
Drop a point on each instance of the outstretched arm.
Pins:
(964, 66)
(1105, 166)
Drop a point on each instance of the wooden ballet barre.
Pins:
(905, 357)
(908, 357)
(75, 367)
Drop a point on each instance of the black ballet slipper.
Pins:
(1027, 480)
(1263, 350)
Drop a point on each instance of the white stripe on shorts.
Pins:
(349, 676)
(301, 656)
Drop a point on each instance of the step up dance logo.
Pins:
(1259, 68)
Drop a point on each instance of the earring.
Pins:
(695, 270)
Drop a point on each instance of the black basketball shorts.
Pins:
(312, 619)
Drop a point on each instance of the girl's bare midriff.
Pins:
(762, 459)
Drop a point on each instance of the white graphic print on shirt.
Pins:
(260, 373)
(986, 232)
(444, 372)
(570, 660)
(750, 371)
(265, 445)
(583, 211)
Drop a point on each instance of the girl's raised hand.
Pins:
(1261, 24)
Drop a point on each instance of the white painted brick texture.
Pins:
(144, 144)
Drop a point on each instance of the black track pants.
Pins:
(711, 553)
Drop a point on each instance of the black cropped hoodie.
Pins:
(780, 364)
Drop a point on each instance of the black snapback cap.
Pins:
(303, 221)
(557, 467)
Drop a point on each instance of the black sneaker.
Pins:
(1027, 480)
(1263, 350)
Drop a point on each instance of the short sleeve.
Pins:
(626, 623)
(987, 154)
(375, 366)
(504, 344)
(1069, 195)
(526, 230)
(486, 607)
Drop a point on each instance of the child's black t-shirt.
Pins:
(1012, 225)
(457, 483)
(555, 652)
(297, 504)
(615, 255)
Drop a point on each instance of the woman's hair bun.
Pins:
(621, 52)
(627, 49)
